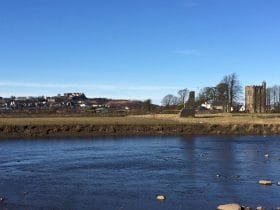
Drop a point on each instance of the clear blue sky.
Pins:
(135, 49)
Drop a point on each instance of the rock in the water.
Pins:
(266, 155)
(260, 208)
(232, 206)
(2, 199)
(265, 182)
(278, 183)
(161, 197)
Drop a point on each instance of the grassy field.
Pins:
(146, 119)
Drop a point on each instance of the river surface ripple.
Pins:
(127, 173)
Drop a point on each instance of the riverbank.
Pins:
(223, 124)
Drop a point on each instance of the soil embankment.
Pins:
(139, 125)
(88, 130)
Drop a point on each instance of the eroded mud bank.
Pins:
(36, 131)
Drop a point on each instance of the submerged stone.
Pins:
(160, 197)
(231, 206)
(265, 182)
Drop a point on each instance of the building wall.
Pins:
(255, 98)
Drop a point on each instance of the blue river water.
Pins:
(128, 173)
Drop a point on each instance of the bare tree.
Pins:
(222, 95)
(175, 100)
(278, 101)
(169, 100)
(234, 89)
(208, 94)
(183, 95)
(273, 98)
(268, 98)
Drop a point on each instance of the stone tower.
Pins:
(255, 98)
(189, 109)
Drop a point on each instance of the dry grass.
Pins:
(223, 118)
(147, 120)
(129, 120)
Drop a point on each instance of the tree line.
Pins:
(180, 99)
(226, 93)
(273, 98)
